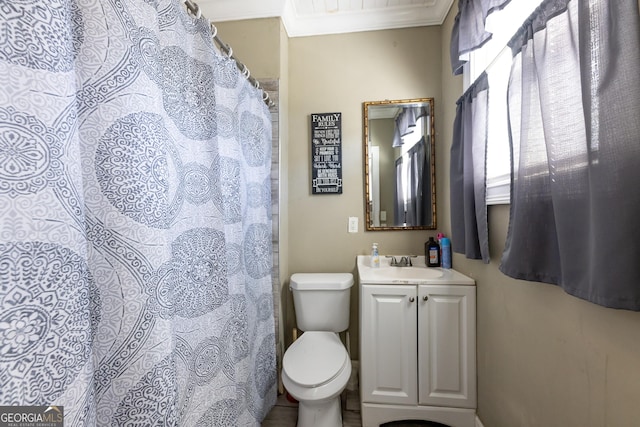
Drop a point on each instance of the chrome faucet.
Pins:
(405, 261)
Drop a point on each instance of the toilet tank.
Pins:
(321, 300)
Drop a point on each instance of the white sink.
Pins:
(406, 273)
(419, 273)
(388, 274)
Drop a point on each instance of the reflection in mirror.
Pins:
(399, 144)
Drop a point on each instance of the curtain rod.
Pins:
(194, 8)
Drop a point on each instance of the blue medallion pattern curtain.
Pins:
(573, 117)
(467, 173)
(135, 219)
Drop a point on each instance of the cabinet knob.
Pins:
(426, 298)
(411, 299)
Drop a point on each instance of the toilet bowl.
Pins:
(317, 367)
(315, 371)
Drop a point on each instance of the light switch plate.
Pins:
(353, 224)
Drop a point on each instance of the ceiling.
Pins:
(318, 17)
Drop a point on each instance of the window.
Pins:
(495, 58)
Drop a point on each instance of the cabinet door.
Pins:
(388, 344)
(447, 345)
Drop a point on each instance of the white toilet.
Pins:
(317, 367)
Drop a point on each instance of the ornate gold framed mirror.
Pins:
(399, 164)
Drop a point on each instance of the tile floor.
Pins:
(285, 414)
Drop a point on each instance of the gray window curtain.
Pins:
(417, 213)
(574, 119)
(468, 28)
(469, 230)
(399, 214)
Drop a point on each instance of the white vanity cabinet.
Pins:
(418, 350)
(389, 345)
(447, 345)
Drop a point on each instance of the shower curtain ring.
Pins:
(229, 51)
(198, 11)
(245, 71)
(214, 30)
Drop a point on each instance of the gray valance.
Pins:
(406, 122)
(469, 31)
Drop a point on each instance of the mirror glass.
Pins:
(399, 151)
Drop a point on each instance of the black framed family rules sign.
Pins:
(326, 153)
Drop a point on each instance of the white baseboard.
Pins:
(478, 422)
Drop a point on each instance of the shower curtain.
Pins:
(135, 218)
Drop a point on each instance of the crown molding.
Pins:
(303, 23)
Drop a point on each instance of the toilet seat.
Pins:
(315, 359)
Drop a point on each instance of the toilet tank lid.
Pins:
(321, 281)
